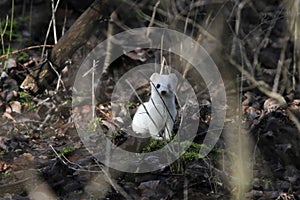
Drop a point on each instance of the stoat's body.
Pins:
(160, 111)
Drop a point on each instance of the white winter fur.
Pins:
(160, 111)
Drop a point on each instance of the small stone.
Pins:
(256, 193)
(268, 186)
(10, 63)
(285, 186)
(256, 184)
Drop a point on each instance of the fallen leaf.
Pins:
(14, 106)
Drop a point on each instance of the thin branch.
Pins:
(279, 66)
(93, 91)
(69, 164)
(2, 33)
(72, 165)
(294, 119)
(109, 46)
(113, 183)
(26, 49)
(48, 30)
(63, 30)
(261, 85)
(152, 17)
(58, 77)
(53, 20)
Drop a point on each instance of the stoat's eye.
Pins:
(158, 86)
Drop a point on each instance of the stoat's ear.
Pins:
(154, 76)
(173, 80)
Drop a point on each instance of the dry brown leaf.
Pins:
(14, 106)
(8, 116)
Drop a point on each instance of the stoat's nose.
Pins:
(163, 92)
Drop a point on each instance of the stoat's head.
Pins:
(164, 84)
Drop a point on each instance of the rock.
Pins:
(268, 186)
(149, 188)
(285, 186)
(256, 184)
(271, 195)
(291, 174)
(256, 193)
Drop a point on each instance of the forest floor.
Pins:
(42, 156)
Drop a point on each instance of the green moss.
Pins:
(191, 153)
(26, 100)
(24, 95)
(131, 105)
(22, 56)
(6, 174)
(67, 150)
(94, 124)
(191, 149)
(154, 145)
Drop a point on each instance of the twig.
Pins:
(71, 165)
(53, 20)
(294, 119)
(48, 116)
(292, 8)
(279, 66)
(188, 65)
(108, 117)
(187, 17)
(5, 124)
(14, 184)
(48, 30)
(264, 42)
(197, 25)
(162, 58)
(152, 17)
(93, 91)
(261, 85)
(2, 33)
(237, 25)
(186, 190)
(296, 42)
(26, 49)
(57, 155)
(109, 46)
(58, 77)
(65, 22)
(140, 13)
(11, 20)
(113, 183)
(223, 174)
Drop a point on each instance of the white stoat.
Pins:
(160, 111)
